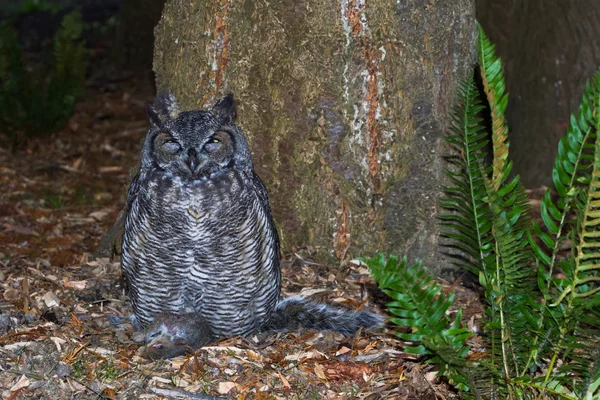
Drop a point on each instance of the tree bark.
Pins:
(549, 50)
(344, 104)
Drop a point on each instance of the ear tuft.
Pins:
(165, 107)
(153, 115)
(225, 109)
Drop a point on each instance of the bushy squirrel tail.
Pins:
(293, 313)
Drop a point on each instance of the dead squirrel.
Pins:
(174, 335)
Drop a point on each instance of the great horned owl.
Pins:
(199, 236)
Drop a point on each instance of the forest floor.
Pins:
(61, 193)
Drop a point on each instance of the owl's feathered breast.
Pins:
(199, 236)
(207, 245)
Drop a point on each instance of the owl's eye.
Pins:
(212, 145)
(171, 145)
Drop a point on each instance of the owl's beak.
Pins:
(193, 161)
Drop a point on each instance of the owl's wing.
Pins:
(261, 191)
(133, 191)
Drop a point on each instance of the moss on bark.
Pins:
(344, 105)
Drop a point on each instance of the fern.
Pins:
(42, 98)
(543, 313)
(493, 82)
(418, 303)
(469, 225)
(574, 295)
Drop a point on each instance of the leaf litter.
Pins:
(61, 193)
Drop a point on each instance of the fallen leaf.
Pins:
(58, 342)
(343, 350)
(12, 295)
(370, 346)
(285, 382)
(76, 165)
(431, 376)
(98, 215)
(79, 285)
(110, 169)
(307, 292)
(18, 346)
(226, 387)
(319, 372)
(23, 382)
(22, 230)
(51, 300)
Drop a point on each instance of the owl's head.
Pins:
(194, 144)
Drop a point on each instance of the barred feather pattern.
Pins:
(199, 236)
(207, 247)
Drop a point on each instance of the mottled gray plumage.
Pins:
(199, 236)
(200, 247)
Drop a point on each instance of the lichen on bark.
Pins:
(343, 103)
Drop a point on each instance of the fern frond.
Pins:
(573, 294)
(468, 224)
(571, 172)
(585, 277)
(513, 324)
(493, 83)
(419, 304)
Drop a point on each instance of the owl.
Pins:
(199, 237)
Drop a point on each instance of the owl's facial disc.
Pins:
(212, 156)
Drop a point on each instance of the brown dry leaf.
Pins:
(307, 292)
(343, 350)
(285, 382)
(319, 372)
(347, 370)
(21, 230)
(76, 165)
(79, 285)
(12, 295)
(99, 215)
(22, 383)
(304, 355)
(110, 170)
(58, 342)
(370, 346)
(431, 376)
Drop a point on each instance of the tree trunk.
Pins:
(549, 50)
(344, 105)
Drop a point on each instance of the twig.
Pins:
(182, 394)
(39, 274)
